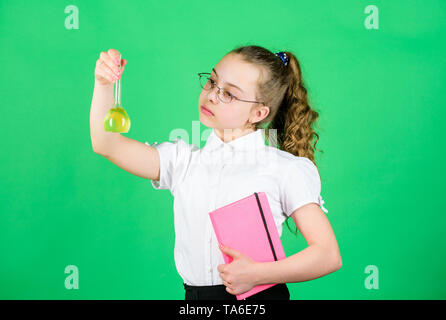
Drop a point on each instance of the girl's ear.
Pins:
(261, 113)
(267, 110)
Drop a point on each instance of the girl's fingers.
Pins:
(108, 61)
(110, 74)
(226, 283)
(230, 290)
(114, 55)
(108, 67)
(106, 73)
(123, 63)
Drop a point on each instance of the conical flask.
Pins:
(117, 119)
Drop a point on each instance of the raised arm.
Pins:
(133, 156)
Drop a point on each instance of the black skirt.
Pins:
(218, 292)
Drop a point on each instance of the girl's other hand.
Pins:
(239, 276)
(107, 67)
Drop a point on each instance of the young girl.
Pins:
(250, 91)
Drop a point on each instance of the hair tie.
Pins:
(283, 57)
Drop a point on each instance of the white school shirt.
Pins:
(204, 179)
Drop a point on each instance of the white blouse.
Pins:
(202, 180)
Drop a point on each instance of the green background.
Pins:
(380, 97)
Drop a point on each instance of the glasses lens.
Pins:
(225, 96)
(207, 83)
(204, 82)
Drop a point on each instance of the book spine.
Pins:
(266, 226)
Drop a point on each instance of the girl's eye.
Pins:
(227, 94)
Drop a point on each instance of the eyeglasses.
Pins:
(225, 96)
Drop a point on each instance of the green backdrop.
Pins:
(380, 97)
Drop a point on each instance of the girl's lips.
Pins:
(203, 108)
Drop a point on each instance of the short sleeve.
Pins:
(174, 160)
(301, 185)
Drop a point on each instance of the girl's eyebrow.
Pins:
(230, 84)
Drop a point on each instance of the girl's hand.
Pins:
(238, 276)
(107, 67)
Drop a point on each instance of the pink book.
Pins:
(247, 225)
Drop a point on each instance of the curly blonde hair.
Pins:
(282, 89)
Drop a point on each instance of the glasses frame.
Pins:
(201, 74)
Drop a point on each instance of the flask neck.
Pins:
(117, 92)
(117, 87)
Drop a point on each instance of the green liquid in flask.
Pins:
(117, 119)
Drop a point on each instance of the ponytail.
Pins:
(282, 89)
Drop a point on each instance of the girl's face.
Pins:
(236, 114)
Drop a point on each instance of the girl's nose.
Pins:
(213, 96)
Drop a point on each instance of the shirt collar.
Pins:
(250, 141)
